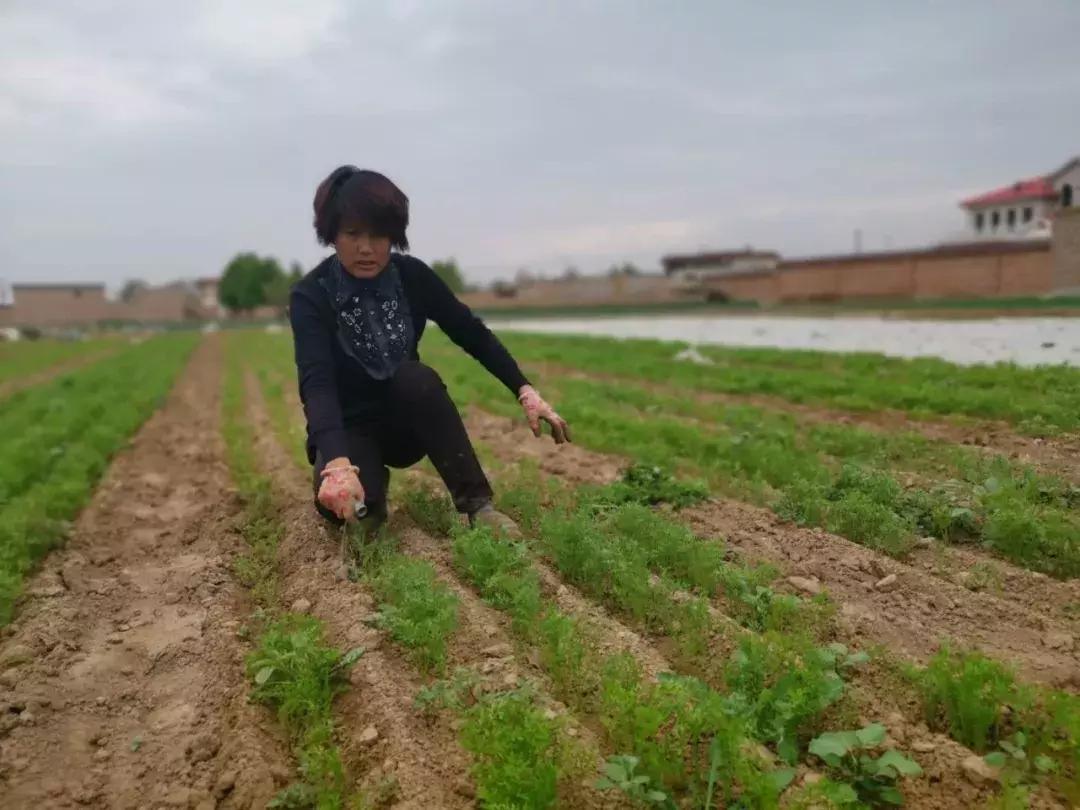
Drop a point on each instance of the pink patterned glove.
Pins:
(341, 490)
(536, 409)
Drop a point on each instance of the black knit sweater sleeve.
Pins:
(317, 375)
(466, 329)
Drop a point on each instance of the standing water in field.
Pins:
(1025, 341)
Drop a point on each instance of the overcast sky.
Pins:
(156, 139)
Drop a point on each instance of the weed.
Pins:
(782, 686)
(619, 774)
(649, 486)
(872, 778)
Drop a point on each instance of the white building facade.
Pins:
(1025, 209)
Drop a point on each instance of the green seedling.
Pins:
(432, 512)
(417, 610)
(620, 774)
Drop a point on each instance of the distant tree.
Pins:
(524, 277)
(448, 271)
(296, 272)
(250, 281)
(132, 287)
(625, 269)
(571, 273)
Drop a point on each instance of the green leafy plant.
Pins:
(620, 774)
(872, 778)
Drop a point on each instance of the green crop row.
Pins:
(1023, 517)
(1041, 400)
(1034, 732)
(292, 669)
(24, 358)
(515, 746)
(55, 452)
(682, 740)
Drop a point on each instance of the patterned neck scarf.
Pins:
(375, 326)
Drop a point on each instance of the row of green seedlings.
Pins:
(518, 750)
(24, 358)
(521, 754)
(1032, 734)
(682, 740)
(293, 670)
(1020, 516)
(58, 440)
(1012, 510)
(1040, 401)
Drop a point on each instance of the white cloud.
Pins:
(270, 31)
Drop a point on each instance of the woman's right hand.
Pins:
(341, 490)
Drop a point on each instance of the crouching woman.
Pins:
(370, 403)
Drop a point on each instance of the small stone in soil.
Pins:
(301, 606)
(888, 583)
(368, 735)
(805, 584)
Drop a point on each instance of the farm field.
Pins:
(776, 580)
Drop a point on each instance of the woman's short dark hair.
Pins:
(361, 198)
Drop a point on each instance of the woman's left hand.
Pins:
(536, 409)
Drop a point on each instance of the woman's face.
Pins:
(360, 252)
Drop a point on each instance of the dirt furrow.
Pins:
(385, 741)
(1056, 456)
(123, 679)
(910, 613)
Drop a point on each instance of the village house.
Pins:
(1025, 209)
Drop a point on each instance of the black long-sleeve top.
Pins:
(335, 389)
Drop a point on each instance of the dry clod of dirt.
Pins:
(887, 583)
(368, 736)
(805, 584)
(301, 606)
(923, 746)
(978, 772)
(15, 655)
(1059, 641)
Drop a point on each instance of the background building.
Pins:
(1025, 209)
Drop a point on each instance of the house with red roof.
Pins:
(1025, 209)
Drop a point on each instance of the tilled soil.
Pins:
(910, 613)
(122, 682)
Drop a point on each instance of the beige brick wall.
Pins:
(885, 279)
(1066, 251)
(57, 306)
(816, 282)
(964, 277)
(1027, 274)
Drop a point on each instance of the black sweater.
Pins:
(335, 389)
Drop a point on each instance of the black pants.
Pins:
(421, 420)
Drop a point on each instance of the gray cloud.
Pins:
(155, 140)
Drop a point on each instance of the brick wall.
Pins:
(1066, 251)
(48, 306)
(952, 272)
